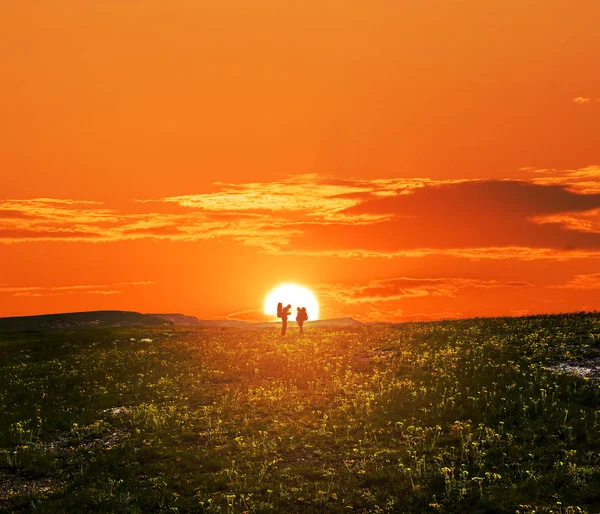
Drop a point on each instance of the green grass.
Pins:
(454, 416)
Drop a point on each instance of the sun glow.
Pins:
(295, 295)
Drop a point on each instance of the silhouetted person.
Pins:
(285, 312)
(301, 317)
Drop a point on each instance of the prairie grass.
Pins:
(450, 416)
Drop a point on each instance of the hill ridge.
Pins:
(119, 318)
(83, 319)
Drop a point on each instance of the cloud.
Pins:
(29, 294)
(20, 235)
(483, 214)
(13, 214)
(251, 315)
(519, 198)
(582, 180)
(472, 254)
(581, 100)
(159, 230)
(589, 282)
(547, 215)
(137, 283)
(306, 195)
(394, 289)
(588, 221)
(377, 314)
(53, 219)
(414, 299)
(424, 316)
(43, 291)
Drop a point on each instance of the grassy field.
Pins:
(455, 416)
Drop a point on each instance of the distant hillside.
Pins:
(82, 320)
(136, 319)
(335, 322)
(183, 320)
(225, 323)
(179, 319)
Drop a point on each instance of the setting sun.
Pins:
(295, 295)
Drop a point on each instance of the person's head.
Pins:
(289, 306)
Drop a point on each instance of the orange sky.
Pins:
(404, 160)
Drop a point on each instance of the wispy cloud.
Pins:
(311, 196)
(379, 313)
(473, 254)
(582, 180)
(101, 292)
(42, 291)
(581, 100)
(53, 219)
(394, 289)
(251, 315)
(588, 221)
(546, 215)
(590, 281)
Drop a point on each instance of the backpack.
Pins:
(279, 310)
(304, 314)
